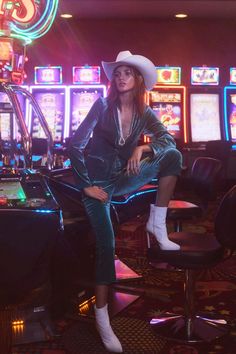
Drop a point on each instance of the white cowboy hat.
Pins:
(146, 68)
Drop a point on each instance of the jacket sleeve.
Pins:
(160, 138)
(79, 142)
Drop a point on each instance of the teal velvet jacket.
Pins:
(104, 146)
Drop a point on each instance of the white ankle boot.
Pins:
(109, 339)
(156, 226)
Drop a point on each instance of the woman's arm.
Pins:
(160, 138)
(79, 142)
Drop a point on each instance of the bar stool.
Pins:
(198, 251)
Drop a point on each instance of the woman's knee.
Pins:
(172, 159)
(174, 155)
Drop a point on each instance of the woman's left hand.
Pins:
(133, 165)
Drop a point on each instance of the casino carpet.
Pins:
(159, 290)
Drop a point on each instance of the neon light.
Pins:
(28, 10)
(21, 11)
(48, 75)
(168, 75)
(86, 74)
(44, 211)
(203, 75)
(232, 76)
(134, 195)
(225, 113)
(42, 25)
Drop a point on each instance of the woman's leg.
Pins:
(99, 216)
(156, 224)
(166, 167)
(166, 187)
(101, 295)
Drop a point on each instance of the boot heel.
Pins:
(148, 239)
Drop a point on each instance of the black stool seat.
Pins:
(197, 251)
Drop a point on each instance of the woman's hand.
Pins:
(96, 193)
(133, 165)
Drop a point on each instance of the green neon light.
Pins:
(23, 38)
(27, 40)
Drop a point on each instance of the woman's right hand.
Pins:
(96, 193)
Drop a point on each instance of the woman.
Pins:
(114, 166)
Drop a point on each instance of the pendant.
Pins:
(121, 141)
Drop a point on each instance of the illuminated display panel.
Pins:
(6, 49)
(232, 76)
(205, 117)
(230, 114)
(12, 190)
(86, 75)
(232, 117)
(52, 101)
(5, 118)
(204, 75)
(6, 59)
(167, 106)
(81, 100)
(48, 75)
(168, 75)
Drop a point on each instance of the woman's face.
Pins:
(124, 78)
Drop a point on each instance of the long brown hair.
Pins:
(139, 93)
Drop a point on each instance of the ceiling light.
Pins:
(181, 15)
(66, 15)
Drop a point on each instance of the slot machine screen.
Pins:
(232, 117)
(167, 107)
(205, 117)
(5, 126)
(81, 102)
(5, 117)
(52, 104)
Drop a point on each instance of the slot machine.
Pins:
(86, 89)
(205, 123)
(50, 94)
(230, 109)
(10, 135)
(168, 100)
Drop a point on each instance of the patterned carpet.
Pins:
(160, 291)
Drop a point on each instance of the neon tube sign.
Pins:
(22, 11)
(29, 19)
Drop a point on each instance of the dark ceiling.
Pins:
(165, 9)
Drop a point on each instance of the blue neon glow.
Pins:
(134, 196)
(226, 118)
(44, 211)
(225, 113)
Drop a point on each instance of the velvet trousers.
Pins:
(167, 163)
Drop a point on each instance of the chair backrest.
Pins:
(205, 175)
(218, 149)
(225, 220)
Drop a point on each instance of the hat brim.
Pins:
(146, 68)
